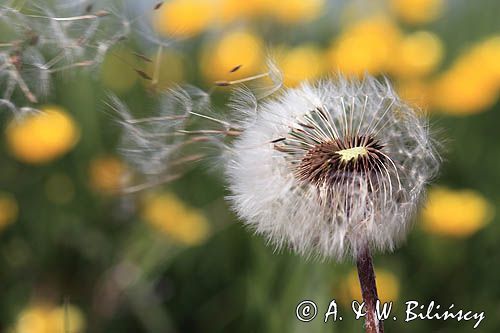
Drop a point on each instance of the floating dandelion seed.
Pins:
(41, 41)
(183, 129)
(158, 146)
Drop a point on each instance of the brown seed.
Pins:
(278, 140)
(101, 13)
(142, 57)
(235, 69)
(143, 75)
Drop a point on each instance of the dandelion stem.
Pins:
(366, 276)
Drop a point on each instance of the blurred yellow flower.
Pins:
(184, 18)
(488, 54)
(304, 62)
(171, 216)
(462, 91)
(417, 11)
(472, 83)
(292, 11)
(231, 10)
(366, 46)
(417, 54)
(8, 210)
(387, 287)
(107, 174)
(42, 137)
(238, 48)
(455, 213)
(117, 71)
(169, 69)
(483, 57)
(45, 318)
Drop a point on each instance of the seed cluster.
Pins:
(335, 161)
(329, 168)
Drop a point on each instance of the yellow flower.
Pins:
(472, 83)
(292, 11)
(231, 10)
(483, 57)
(417, 11)
(417, 54)
(8, 210)
(117, 71)
(463, 91)
(107, 174)
(387, 287)
(238, 48)
(45, 318)
(488, 53)
(184, 18)
(176, 220)
(455, 213)
(42, 137)
(302, 63)
(366, 46)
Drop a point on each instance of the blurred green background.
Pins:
(77, 256)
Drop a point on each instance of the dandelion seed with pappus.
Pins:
(157, 147)
(43, 40)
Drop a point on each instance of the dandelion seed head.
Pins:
(330, 167)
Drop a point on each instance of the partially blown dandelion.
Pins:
(333, 170)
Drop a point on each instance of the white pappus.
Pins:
(329, 168)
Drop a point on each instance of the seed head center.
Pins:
(353, 153)
(334, 161)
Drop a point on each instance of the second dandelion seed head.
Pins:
(331, 168)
